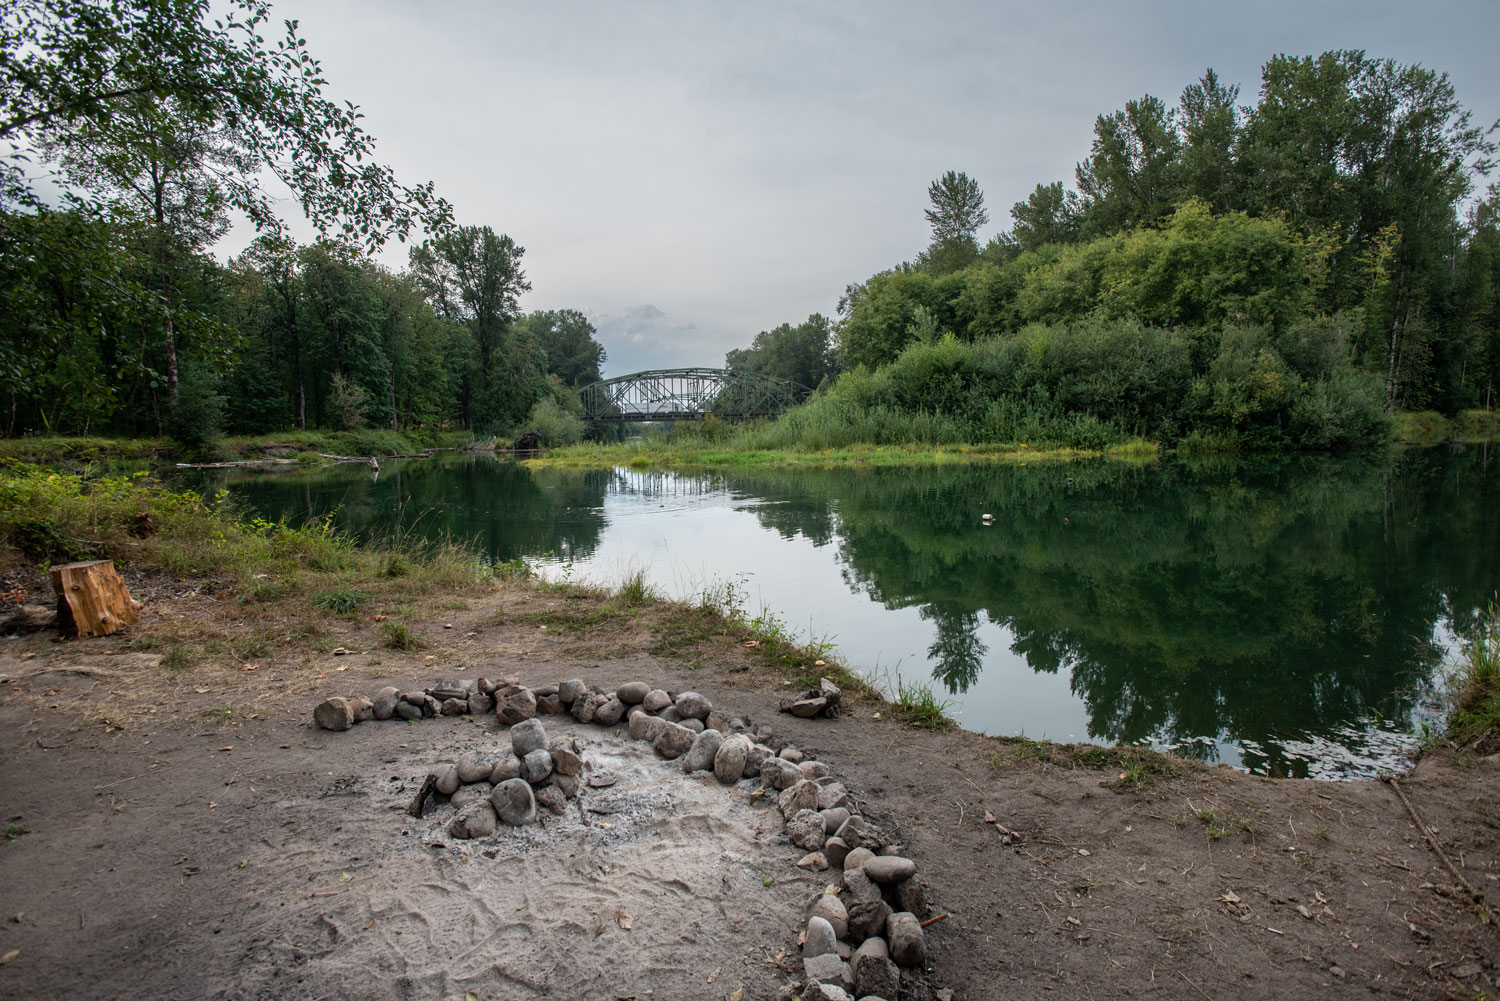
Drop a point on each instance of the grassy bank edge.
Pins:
(301, 445)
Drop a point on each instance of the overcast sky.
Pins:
(688, 174)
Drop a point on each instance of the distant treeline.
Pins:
(1283, 275)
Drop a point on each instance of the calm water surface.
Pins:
(1288, 617)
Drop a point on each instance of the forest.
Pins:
(1283, 275)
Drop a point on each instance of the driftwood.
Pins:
(92, 600)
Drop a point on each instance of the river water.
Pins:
(1289, 617)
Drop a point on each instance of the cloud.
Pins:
(644, 337)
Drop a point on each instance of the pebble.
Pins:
(565, 760)
(514, 705)
(830, 909)
(644, 727)
(514, 801)
(552, 799)
(334, 714)
(527, 736)
(507, 767)
(656, 700)
(569, 691)
(729, 760)
(454, 707)
(834, 818)
(478, 792)
(633, 693)
(480, 704)
(475, 767)
(363, 708)
(602, 779)
(802, 796)
(805, 830)
(477, 820)
(537, 765)
(693, 706)
(888, 870)
(868, 918)
(673, 741)
(835, 849)
(447, 780)
(857, 858)
(700, 757)
(908, 944)
(405, 710)
(778, 774)
(609, 714)
(820, 940)
(813, 862)
(385, 702)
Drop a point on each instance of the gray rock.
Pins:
(477, 820)
(539, 691)
(715, 721)
(448, 689)
(550, 705)
(834, 818)
(700, 757)
(873, 947)
(860, 833)
(385, 702)
(673, 741)
(776, 773)
(876, 976)
(475, 767)
(857, 858)
(729, 760)
(454, 707)
(830, 909)
(568, 692)
(830, 971)
(860, 889)
(820, 940)
(695, 725)
(552, 799)
(602, 779)
(832, 794)
(565, 759)
(479, 704)
(670, 714)
(911, 897)
(447, 779)
(815, 991)
(431, 707)
(484, 686)
(868, 918)
(656, 700)
(418, 699)
(514, 802)
(888, 870)
(633, 693)
(830, 692)
(813, 862)
(537, 765)
(805, 830)
(836, 850)
(514, 704)
(759, 753)
(693, 706)
(478, 792)
(908, 944)
(802, 796)
(609, 714)
(364, 709)
(585, 706)
(569, 784)
(506, 767)
(334, 714)
(805, 708)
(813, 769)
(644, 727)
(527, 736)
(405, 710)
(790, 754)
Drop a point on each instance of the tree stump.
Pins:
(92, 600)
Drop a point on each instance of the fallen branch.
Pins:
(1474, 895)
(933, 921)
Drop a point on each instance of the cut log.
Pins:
(92, 600)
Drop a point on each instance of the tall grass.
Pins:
(1474, 717)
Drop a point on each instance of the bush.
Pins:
(346, 403)
(555, 424)
(197, 421)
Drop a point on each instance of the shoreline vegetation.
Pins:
(304, 575)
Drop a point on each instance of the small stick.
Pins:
(1200, 990)
(931, 921)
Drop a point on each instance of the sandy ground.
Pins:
(191, 835)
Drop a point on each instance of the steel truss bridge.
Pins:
(683, 394)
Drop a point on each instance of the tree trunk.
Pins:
(92, 600)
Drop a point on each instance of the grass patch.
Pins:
(341, 602)
(917, 706)
(635, 590)
(399, 636)
(1474, 716)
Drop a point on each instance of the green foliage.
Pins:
(801, 354)
(556, 425)
(346, 404)
(919, 707)
(341, 602)
(398, 636)
(1474, 718)
(197, 421)
(566, 337)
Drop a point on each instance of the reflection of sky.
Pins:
(688, 538)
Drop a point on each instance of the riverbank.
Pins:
(303, 446)
(662, 453)
(242, 842)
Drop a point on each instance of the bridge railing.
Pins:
(688, 394)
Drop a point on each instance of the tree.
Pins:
(1048, 215)
(802, 354)
(955, 217)
(1210, 123)
(567, 337)
(1128, 178)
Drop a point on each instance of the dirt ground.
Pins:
(177, 828)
